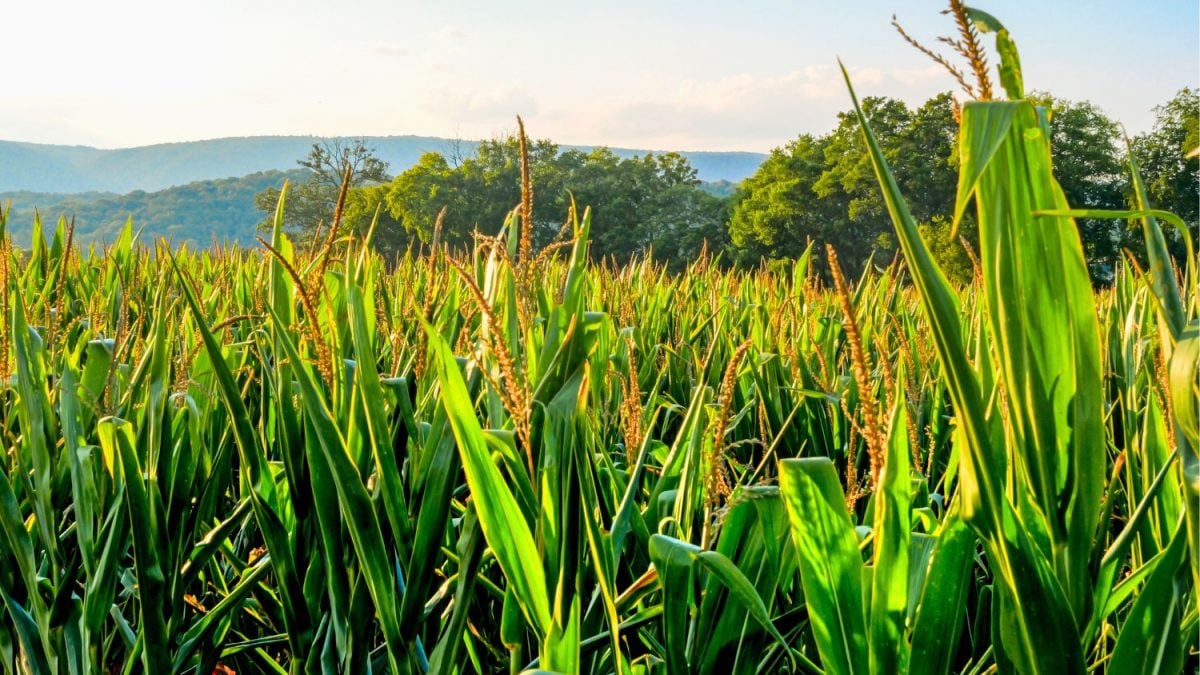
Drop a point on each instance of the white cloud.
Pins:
(388, 50)
(747, 111)
(480, 106)
(448, 33)
(930, 74)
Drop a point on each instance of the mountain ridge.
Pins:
(66, 169)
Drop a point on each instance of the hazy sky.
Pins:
(696, 75)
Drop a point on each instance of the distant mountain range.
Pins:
(203, 191)
(42, 168)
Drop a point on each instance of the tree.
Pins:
(415, 197)
(947, 249)
(312, 202)
(928, 170)
(848, 180)
(776, 211)
(368, 204)
(638, 204)
(687, 221)
(477, 193)
(1172, 177)
(825, 189)
(328, 161)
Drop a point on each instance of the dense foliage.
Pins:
(821, 188)
(1169, 161)
(314, 200)
(643, 205)
(818, 188)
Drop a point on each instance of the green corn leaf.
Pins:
(355, 503)
(1185, 399)
(1042, 316)
(600, 546)
(976, 150)
(504, 526)
(31, 639)
(1107, 597)
(673, 561)
(1162, 277)
(470, 548)
(144, 524)
(740, 587)
(37, 421)
(939, 621)
(893, 529)
(262, 484)
(831, 567)
(16, 541)
(231, 602)
(1149, 641)
(1045, 638)
(1184, 379)
(102, 585)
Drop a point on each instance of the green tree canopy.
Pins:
(1172, 178)
(776, 210)
(639, 204)
(312, 202)
(824, 188)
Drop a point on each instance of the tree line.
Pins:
(818, 187)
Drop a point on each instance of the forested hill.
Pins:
(66, 169)
(198, 213)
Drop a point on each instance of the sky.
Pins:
(653, 74)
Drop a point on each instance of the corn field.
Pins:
(508, 460)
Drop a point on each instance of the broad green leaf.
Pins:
(1045, 639)
(31, 640)
(893, 525)
(673, 562)
(356, 507)
(503, 525)
(262, 484)
(975, 152)
(942, 609)
(470, 549)
(831, 567)
(1149, 640)
(144, 524)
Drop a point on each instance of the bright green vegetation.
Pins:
(508, 459)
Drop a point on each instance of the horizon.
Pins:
(702, 77)
(382, 136)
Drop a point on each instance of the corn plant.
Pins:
(497, 459)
